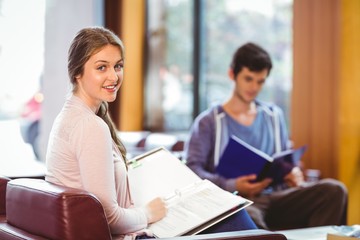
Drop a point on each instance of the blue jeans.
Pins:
(239, 221)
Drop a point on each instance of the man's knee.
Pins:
(332, 195)
(333, 188)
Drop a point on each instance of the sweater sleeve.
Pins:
(199, 151)
(93, 149)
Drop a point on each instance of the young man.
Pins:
(292, 204)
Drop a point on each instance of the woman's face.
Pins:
(102, 77)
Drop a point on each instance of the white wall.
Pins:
(64, 18)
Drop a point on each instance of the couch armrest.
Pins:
(55, 212)
(3, 184)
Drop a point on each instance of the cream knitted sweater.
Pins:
(82, 154)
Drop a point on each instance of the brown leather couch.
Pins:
(36, 209)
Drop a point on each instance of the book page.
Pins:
(194, 206)
(158, 174)
(192, 202)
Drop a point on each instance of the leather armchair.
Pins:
(3, 183)
(36, 209)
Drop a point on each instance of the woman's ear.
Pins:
(77, 78)
(231, 74)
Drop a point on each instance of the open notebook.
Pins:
(194, 204)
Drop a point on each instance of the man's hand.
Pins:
(247, 188)
(295, 178)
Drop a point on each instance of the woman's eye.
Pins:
(119, 66)
(101, 68)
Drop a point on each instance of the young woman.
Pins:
(84, 151)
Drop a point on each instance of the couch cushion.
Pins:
(54, 211)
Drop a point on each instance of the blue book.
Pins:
(239, 158)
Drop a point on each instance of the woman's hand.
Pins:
(246, 186)
(295, 178)
(156, 210)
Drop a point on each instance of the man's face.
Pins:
(248, 84)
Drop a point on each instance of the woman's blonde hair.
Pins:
(86, 43)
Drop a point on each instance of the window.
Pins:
(22, 24)
(169, 85)
(190, 46)
(231, 23)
